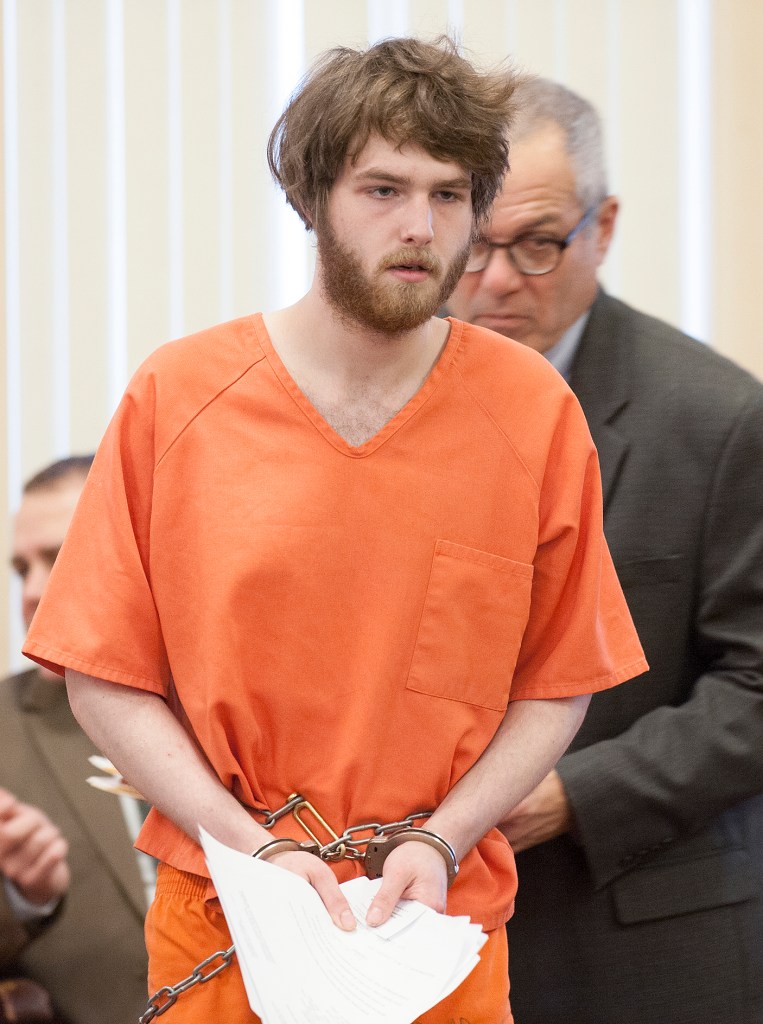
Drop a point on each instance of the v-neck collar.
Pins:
(411, 407)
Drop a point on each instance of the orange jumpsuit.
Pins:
(346, 622)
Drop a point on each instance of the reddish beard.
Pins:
(375, 302)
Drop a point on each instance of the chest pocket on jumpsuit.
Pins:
(471, 629)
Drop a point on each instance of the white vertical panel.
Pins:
(561, 70)
(175, 169)
(12, 255)
(512, 28)
(12, 310)
(289, 267)
(60, 446)
(201, 81)
(225, 159)
(90, 165)
(117, 205)
(455, 26)
(737, 139)
(611, 116)
(252, 188)
(147, 177)
(648, 178)
(387, 18)
(534, 25)
(695, 165)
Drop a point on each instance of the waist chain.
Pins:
(369, 842)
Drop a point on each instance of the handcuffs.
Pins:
(377, 850)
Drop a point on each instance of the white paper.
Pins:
(300, 968)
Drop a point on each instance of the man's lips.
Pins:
(488, 319)
(411, 264)
(511, 325)
(410, 271)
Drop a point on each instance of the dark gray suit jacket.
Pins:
(656, 914)
(92, 957)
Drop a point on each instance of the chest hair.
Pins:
(359, 416)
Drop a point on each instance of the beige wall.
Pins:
(4, 496)
(144, 207)
(737, 194)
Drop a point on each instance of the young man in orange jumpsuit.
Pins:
(357, 549)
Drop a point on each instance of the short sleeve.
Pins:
(580, 637)
(97, 615)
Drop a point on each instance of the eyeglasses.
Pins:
(532, 255)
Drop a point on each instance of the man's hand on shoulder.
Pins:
(543, 814)
(32, 851)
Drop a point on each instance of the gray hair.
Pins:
(540, 103)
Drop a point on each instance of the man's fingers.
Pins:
(47, 877)
(33, 855)
(328, 889)
(32, 851)
(24, 836)
(323, 880)
(44, 842)
(385, 900)
(413, 871)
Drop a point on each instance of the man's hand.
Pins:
(32, 851)
(323, 880)
(543, 814)
(414, 871)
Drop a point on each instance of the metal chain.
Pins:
(348, 846)
(167, 996)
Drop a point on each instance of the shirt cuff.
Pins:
(23, 910)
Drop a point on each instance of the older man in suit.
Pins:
(88, 950)
(641, 857)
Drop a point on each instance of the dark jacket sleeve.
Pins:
(16, 936)
(680, 765)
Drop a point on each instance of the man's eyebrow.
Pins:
(51, 554)
(528, 229)
(376, 174)
(379, 174)
(455, 183)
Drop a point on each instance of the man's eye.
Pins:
(383, 191)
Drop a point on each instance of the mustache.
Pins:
(411, 256)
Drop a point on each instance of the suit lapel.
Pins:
(61, 745)
(601, 379)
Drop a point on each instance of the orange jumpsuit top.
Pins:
(345, 622)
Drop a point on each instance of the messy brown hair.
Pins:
(409, 92)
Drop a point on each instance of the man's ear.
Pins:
(605, 224)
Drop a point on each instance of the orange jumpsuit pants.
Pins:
(182, 929)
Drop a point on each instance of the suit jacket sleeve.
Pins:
(677, 767)
(14, 937)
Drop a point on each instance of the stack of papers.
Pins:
(300, 968)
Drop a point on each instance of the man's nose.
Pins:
(500, 276)
(417, 228)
